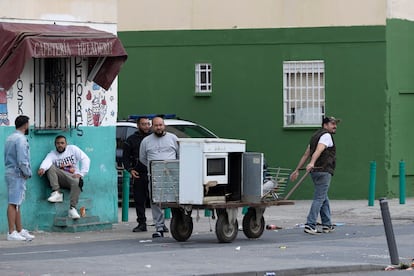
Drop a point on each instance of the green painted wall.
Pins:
(246, 102)
(400, 68)
(100, 189)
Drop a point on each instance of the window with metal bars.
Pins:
(303, 93)
(53, 100)
(203, 82)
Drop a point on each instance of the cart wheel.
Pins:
(181, 226)
(226, 232)
(251, 229)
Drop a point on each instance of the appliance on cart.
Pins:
(219, 175)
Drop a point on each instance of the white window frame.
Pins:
(203, 78)
(303, 93)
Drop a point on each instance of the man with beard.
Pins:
(17, 171)
(138, 171)
(62, 169)
(321, 153)
(160, 145)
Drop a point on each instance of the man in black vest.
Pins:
(322, 154)
(138, 171)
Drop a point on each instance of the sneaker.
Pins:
(14, 236)
(142, 227)
(24, 233)
(73, 213)
(163, 229)
(328, 228)
(157, 235)
(56, 196)
(311, 230)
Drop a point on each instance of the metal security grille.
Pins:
(303, 93)
(203, 78)
(53, 98)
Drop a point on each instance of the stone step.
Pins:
(67, 221)
(62, 208)
(83, 227)
(88, 223)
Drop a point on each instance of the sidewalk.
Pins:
(355, 247)
(349, 212)
(344, 212)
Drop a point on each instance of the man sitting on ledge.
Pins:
(62, 170)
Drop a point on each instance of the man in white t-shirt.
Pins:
(63, 171)
(322, 154)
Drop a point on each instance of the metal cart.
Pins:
(179, 185)
(226, 229)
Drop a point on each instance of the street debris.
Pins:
(272, 227)
(145, 241)
(401, 266)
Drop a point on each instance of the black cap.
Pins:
(330, 119)
(20, 121)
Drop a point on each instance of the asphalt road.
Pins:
(350, 249)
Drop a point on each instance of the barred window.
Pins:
(53, 100)
(203, 82)
(303, 93)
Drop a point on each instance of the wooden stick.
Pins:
(296, 186)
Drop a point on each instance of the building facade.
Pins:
(269, 70)
(58, 65)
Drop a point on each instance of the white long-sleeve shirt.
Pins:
(71, 157)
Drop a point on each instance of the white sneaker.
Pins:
(56, 196)
(14, 236)
(73, 213)
(24, 233)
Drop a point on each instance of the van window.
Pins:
(190, 131)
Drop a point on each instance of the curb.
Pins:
(306, 271)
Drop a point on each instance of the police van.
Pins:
(181, 128)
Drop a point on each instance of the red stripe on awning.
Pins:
(21, 42)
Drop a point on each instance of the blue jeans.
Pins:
(320, 204)
(16, 187)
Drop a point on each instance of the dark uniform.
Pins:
(131, 161)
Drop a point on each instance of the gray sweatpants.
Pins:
(157, 216)
(60, 179)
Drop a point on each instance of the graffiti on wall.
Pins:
(96, 114)
(4, 114)
(89, 104)
(91, 100)
(20, 96)
(79, 93)
(6, 96)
